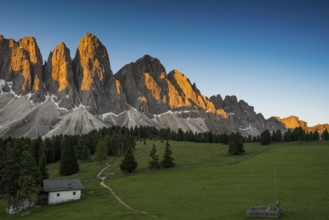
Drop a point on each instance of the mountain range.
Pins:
(74, 96)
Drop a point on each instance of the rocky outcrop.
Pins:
(151, 90)
(59, 78)
(21, 66)
(145, 85)
(244, 116)
(98, 90)
(292, 122)
(18, 205)
(320, 128)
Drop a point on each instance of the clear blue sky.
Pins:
(274, 54)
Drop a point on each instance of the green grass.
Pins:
(205, 184)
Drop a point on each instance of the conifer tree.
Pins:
(154, 162)
(235, 146)
(287, 136)
(168, 160)
(19, 176)
(316, 136)
(265, 137)
(278, 136)
(101, 151)
(325, 135)
(68, 162)
(43, 162)
(128, 164)
(85, 152)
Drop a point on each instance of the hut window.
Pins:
(74, 193)
(58, 194)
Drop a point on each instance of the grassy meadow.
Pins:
(207, 183)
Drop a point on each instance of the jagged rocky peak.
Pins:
(21, 64)
(29, 44)
(151, 65)
(217, 100)
(59, 78)
(149, 89)
(292, 122)
(191, 94)
(145, 85)
(97, 88)
(92, 62)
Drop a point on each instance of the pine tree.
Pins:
(325, 135)
(168, 160)
(19, 176)
(85, 153)
(128, 164)
(101, 151)
(235, 146)
(316, 136)
(154, 162)
(278, 136)
(68, 162)
(287, 136)
(43, 162)
(265, 137)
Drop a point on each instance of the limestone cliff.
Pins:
(59, 78)
(21, 66)
(98, 89)
(244, 116)
(151, 90)
(75, 96)
(292, 122)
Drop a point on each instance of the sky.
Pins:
(274, 54)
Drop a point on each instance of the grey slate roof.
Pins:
(61, 185)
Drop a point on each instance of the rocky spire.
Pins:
(21, 64)
(59, 78)
(98, 89)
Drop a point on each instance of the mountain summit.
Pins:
(74, 96)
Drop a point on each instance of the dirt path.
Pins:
(103, 177)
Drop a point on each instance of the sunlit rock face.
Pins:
(59, 78)
(293, 122)
(21, 64)
(320, 128)
(98, 89)
(151, 90)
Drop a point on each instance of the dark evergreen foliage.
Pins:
(325, 135)
(128, 164)
(168, 160)
(19, 175)
(154, 162)
(265, 137)
(68, 162)
(43, 162)
(235, 146)
(287, 136)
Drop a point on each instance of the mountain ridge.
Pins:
(141, 93)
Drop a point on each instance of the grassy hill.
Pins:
(205, 184)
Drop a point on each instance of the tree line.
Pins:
(296, 134)
(23, 161)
